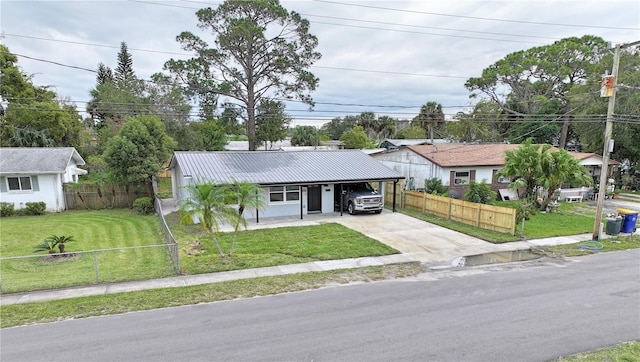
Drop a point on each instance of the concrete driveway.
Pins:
(421, 240)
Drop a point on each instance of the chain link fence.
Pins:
(37, 272)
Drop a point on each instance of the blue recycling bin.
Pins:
(629, 222)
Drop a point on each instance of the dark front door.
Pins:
(314, 198)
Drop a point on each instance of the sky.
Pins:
(386, 57)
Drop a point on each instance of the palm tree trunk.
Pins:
(215, 242)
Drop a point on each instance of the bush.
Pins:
(144, 205)
(34, 208)
(480, 193)
(524, 210)
(434, 186)
(7, 209)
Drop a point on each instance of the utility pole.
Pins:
(608, 142)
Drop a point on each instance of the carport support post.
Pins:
(341, 198)
(300, 202)
(395, 184)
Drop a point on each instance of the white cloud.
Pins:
(67, 28)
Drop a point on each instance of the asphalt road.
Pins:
(533, 313)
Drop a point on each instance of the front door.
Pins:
(314, 198)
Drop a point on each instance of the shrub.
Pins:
(7, 209)
(144, 205)
(524, 210)
(480, 193)
(434, 186)
(35, 208)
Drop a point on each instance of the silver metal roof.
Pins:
(34, 160)
(271, 168)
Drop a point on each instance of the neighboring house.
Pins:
(456, 165)
(593, 163)
(37, 174)
(294, 183)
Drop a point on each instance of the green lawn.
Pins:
(571, 219)
(624, 352)
(92, 230)
(270, 247)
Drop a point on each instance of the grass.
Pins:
(92, 230)
(270, 247)
(51, 311)
(624, 352)
(571, 219)
(609, 244)
(164, 187)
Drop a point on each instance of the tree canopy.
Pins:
(34, 116)
(538, 80)
(137, 152)
(355, 138)
(260, 51)
(305, 136)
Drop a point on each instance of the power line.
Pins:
(423, 33)
(431, 27)
(477, 17)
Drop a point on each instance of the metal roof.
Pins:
(37, 160)
(272, 168)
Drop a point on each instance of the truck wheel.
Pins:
(350, 208)
(378, 211)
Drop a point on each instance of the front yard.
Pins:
(270, 247)
(92, 230)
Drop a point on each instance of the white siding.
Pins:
(49, 192)
(410, 164)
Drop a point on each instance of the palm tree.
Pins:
(523, 165)
(559, 168)
(207, 205)
(49, 244)
(249, 195)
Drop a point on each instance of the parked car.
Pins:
(360, 197)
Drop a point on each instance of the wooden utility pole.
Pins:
(608, 142)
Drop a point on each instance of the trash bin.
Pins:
(614, 224)
(630, 219)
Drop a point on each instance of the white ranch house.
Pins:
(35, 174)
(294, 182)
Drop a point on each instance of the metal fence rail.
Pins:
(172, 244)
(36, 272)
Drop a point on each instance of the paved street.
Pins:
(507, 313)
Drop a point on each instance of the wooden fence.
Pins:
(496, 218)
(107, 196)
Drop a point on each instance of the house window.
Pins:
(504, 180)
(19, 183)
(461, 178)
(284, 193)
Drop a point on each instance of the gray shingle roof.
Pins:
(37, 160)
(296, 167)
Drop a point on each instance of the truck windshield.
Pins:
(362, 187)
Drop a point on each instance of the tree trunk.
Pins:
(215, 242)
(562, 142)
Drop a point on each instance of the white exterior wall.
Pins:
(49, 192)
(327, 198)
(410, 164)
